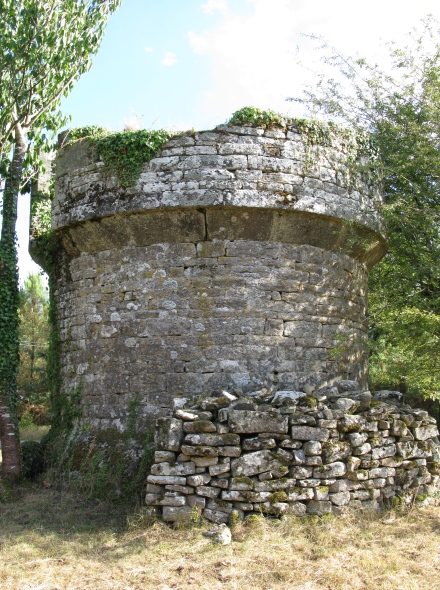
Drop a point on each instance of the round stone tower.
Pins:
(239, 259)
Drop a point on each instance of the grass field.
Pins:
(54, 540)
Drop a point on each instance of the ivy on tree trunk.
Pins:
(9, 298)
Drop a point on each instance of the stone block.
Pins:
(297, 494)
(383, 452)
(250, 422)
(165, 468)
(319, 507)
(255, 463)
(258, 444)
(336, 469)
(218, 469)
(162, 456)
(352, 424)
(168, 434)
(199, 480)
(425, 432)
(166, 480)
(213, 440)
(198, 426)
(229, 451)
(340, 498)
(333, 450)
(178, 514)
(297, 509)
(207, 491)
(309, 433)
(199, 451)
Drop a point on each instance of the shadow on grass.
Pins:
(36, 508)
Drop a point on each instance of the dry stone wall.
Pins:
(291, 453)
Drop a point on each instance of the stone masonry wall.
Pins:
(238, 259)
(150, 323)
(290, 453)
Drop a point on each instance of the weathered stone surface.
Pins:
(333, 450)
(199, 451)
(207, 491)
(319, 507)
(282, 398)
(336, 469)
(173, 468)
(362, 450)
(257, 444)
(229, 451)
(312, 447)
(213, 440)
(357, 439)
(257, 462)
(204, 461)
(297, 494)
(167, 499)
(177, 514)
(309, 433)
(199, 480)
(388, 396)
(352, 424)
(218, 469)
(296, 509)
(425, 432)
(161, 456)
(340, 498)
(198, 426)
(255, 422)
(410, 450)
(383, 452)
(168, 434)
(167, 479)
(347, 385)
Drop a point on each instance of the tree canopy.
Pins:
(400, 107)
(45, 46)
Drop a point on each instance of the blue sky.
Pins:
(184, 64)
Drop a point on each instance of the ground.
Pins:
(53, 539)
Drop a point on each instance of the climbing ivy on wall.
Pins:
(361, 149)
(124, 154)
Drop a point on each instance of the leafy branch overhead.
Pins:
(45, 46)
(400, 109)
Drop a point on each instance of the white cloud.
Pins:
(148, 49)
(254, 58)
(199, 43)
(169, 59)
(213, 5)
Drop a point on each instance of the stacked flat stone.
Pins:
(290, 453)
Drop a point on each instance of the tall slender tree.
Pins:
(45, 46)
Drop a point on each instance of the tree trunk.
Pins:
(9, 302)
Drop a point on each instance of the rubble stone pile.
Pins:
(286, 452)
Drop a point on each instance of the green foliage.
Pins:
(41, 213)
(45, 46)
(401, 112)
(34, 336)
(33, 459)
(124, 154)
(257, 118)
(89, 131)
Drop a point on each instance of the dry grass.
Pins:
(53, 540)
